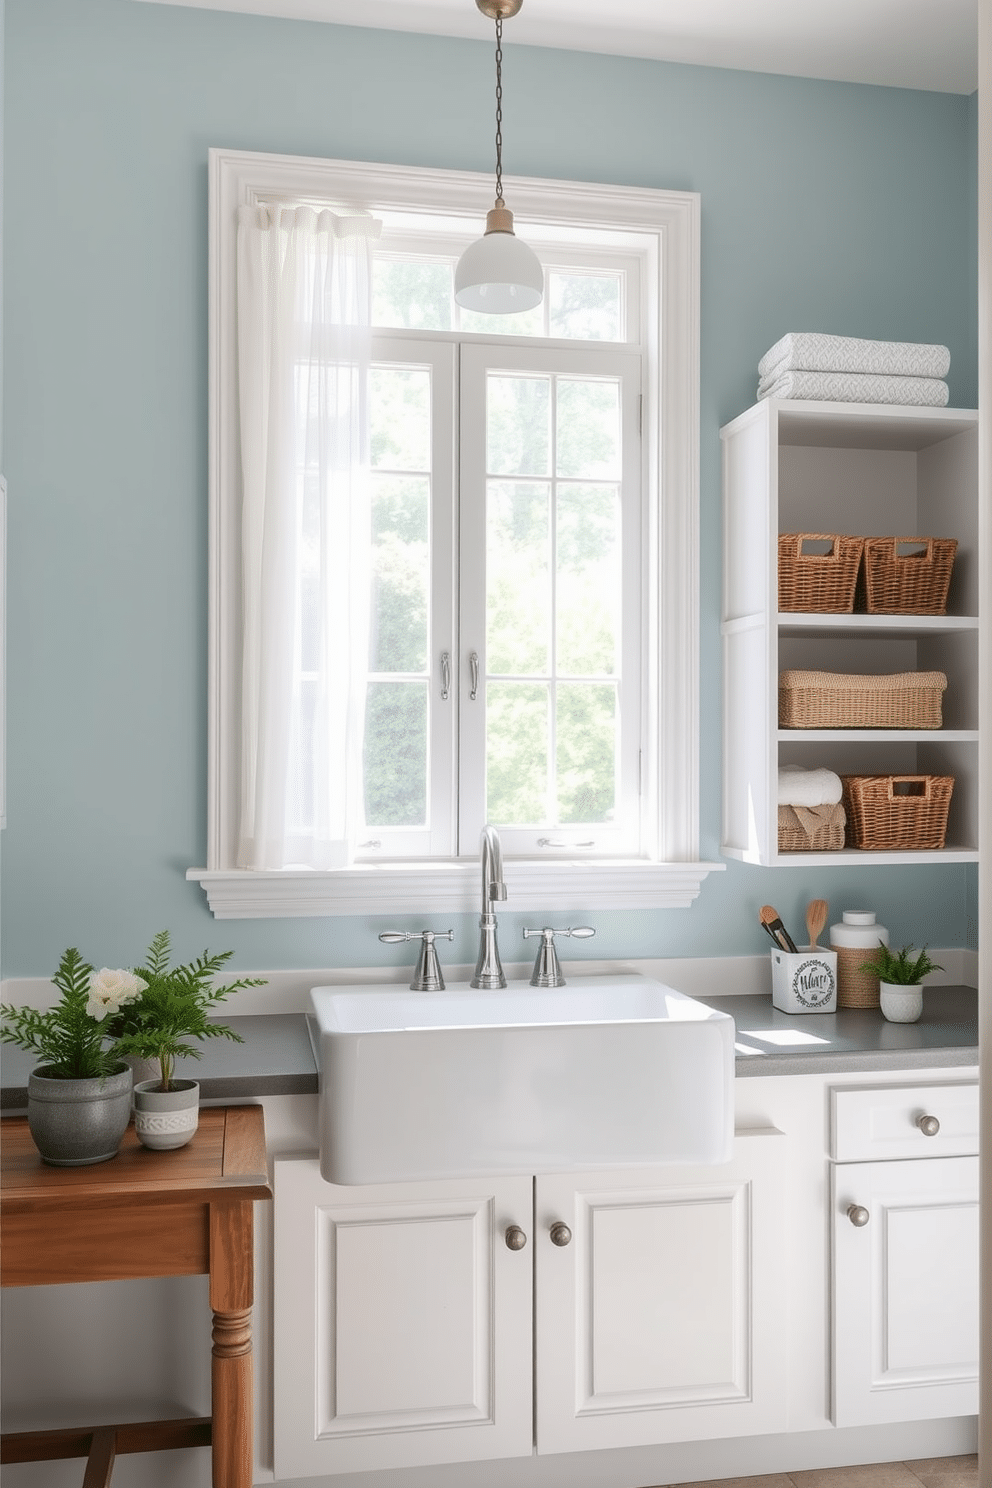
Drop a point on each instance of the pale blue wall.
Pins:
(824, 206)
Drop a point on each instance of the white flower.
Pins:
(109, 990)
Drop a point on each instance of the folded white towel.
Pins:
(891, 387)
(858, 387)
(799, 787)
(814, 351)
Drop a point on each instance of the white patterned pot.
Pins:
(900, 1003)
(166, 1118)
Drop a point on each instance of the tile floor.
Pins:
(929, 1472)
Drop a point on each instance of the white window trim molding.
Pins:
(673, 876)
(451, 887)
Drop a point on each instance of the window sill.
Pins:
(449, 887)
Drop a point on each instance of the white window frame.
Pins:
(625, 364)
(441, 360)
(670, 874)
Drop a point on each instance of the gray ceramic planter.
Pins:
(143, 1069)
(75, 1122)
(166, 1118)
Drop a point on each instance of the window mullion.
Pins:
(471, 509)
(553, 637)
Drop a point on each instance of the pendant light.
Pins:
(498, 274)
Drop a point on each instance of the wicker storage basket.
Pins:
(912, 583)
(897, 813)
(818, 583)
(818, 830)
(823, 700)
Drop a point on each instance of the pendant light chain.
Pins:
(499, 110)
(498, 274)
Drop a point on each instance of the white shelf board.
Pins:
(796, 623)
(847, 857)
(874, 426)
(877, 736)
(885, 426)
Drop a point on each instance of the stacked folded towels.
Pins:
(809, 799)
(845, 369)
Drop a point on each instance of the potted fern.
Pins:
(79, 1096)
(166, 1023)
(900, 980)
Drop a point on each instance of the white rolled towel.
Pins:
(799, 787)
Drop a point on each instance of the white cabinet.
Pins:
(402, 1327)
(404, 1321)
(865, 470)
(905, 1254)
(660, 1320)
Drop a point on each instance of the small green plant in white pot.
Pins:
(79, 1096)
(167, 1022)
(900, 977)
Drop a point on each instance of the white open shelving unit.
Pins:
(870, 470)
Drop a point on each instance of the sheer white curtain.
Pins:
(303, 287)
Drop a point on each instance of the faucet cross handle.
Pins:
(427, 977)
(547, 968)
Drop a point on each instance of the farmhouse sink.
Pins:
(605, 1072)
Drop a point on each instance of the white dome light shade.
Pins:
(498, 274)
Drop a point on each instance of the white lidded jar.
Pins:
(854, 940)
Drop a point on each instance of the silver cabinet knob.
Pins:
(515, 1238)
(929, 1125)
(560, 1233)
(859, 1217)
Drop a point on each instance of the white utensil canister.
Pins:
(805, 982)
(854, 939)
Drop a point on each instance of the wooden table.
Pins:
(182, 1213)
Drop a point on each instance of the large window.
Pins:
(506, 688)
(522, 569)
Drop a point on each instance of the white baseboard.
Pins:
(698, 976)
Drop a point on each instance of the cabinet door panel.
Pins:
(389, 1364)
(657, 1322)
(906, 1291)
(649, 1335)
(397, 1308)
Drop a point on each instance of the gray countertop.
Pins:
(277, 1057)
(773, 1043)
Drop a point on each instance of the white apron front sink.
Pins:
(606, 1072)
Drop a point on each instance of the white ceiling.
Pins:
(930, 44)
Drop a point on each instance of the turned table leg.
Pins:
(231, 1273)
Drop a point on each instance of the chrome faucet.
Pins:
(547, 968)
(488, 971)
(428, 976)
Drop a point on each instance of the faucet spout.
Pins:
(488, 969)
